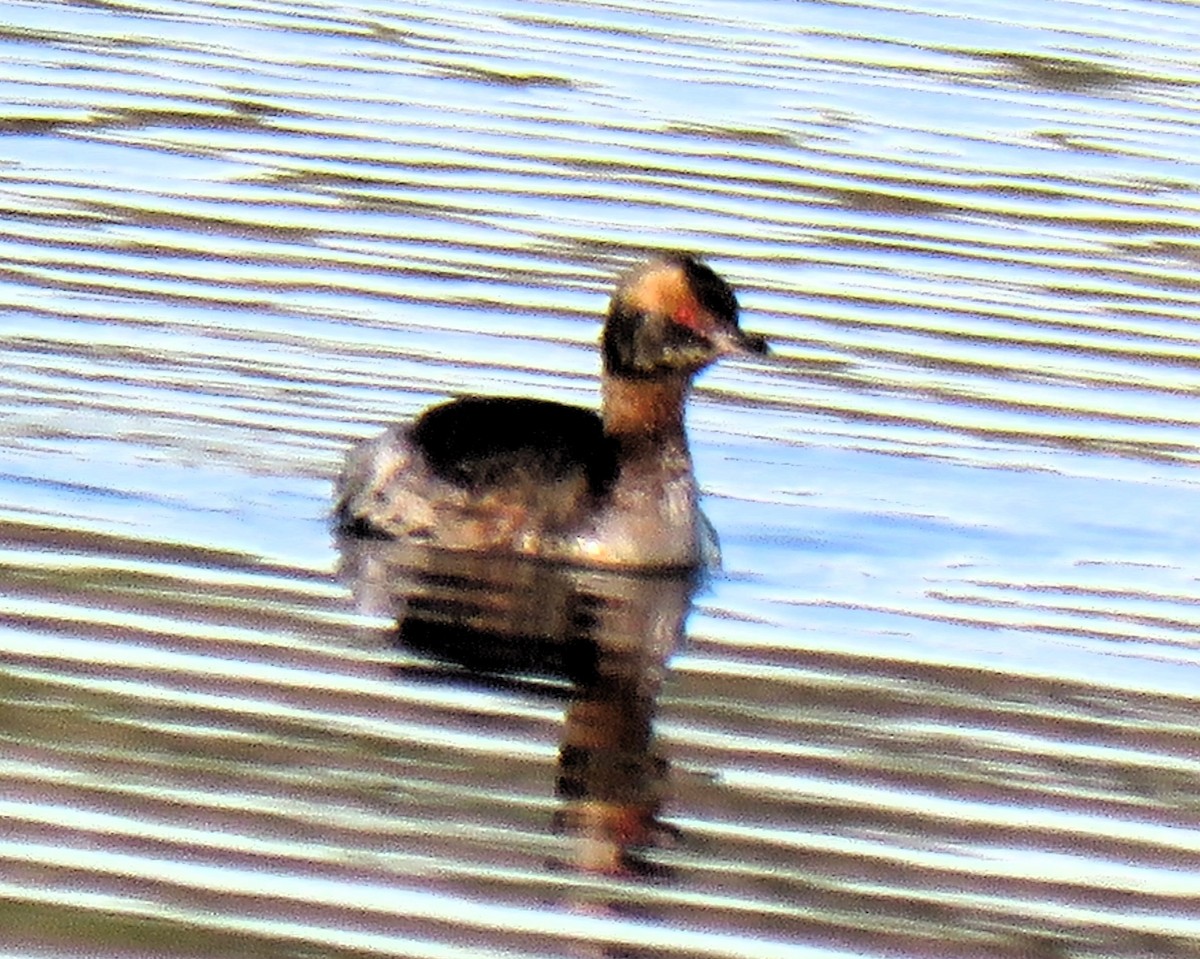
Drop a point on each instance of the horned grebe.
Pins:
(559, 482)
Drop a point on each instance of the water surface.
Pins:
(942, 699)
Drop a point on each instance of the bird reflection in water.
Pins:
(605, 635)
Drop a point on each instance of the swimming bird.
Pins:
(557, 482)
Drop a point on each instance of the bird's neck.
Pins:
(652, 408)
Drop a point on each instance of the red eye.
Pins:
(688, 315)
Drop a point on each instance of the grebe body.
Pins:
(558, 482)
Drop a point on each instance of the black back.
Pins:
(479, 442)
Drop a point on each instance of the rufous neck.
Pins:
(633, 407)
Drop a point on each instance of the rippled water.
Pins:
(942, 699)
